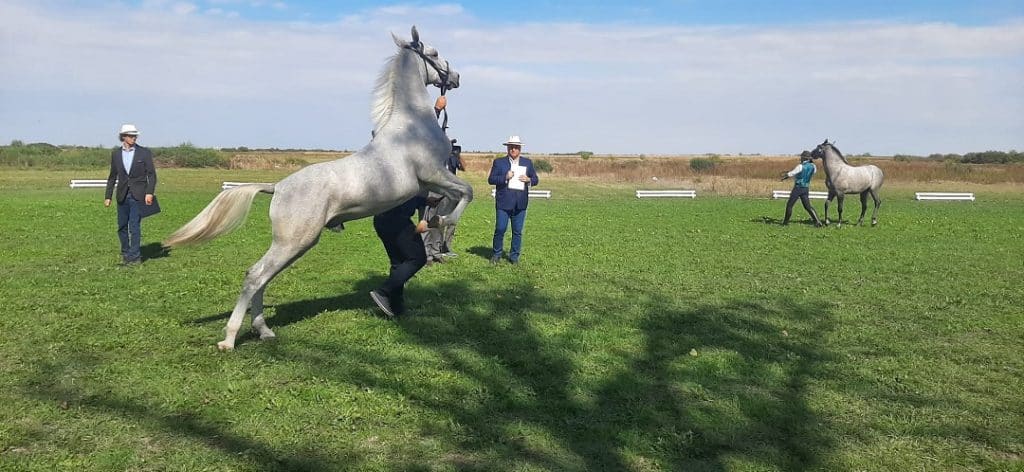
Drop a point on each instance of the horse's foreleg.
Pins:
(456, 189)
(839, 209)
(863, 207)
(827, 201)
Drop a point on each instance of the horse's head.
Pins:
(438, 71)
(819, 151)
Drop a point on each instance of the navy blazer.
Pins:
(504, 197)
(140, 179)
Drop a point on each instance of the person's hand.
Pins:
(106, 202)
(785, 175)
(421, 227)
(149, 199)
(524, 178)
(441, 103)
(509, 175)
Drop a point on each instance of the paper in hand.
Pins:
(515, 183)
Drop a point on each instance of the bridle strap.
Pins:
(442, 73)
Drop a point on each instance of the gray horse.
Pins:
(404, 158)
(842, 178)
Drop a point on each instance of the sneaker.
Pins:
(383, 302)
(513, 261)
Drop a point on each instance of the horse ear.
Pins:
(416, 38)
(399, 41)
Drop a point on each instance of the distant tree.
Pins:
(701, 164)
(542, 165)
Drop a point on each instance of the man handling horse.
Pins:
(801, 187)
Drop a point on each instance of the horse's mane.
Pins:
(384, 93)
(840, 153)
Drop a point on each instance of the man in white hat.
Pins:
(512, 176)
(131, 167)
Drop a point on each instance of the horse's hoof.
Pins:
(268, 336)
(225, 346)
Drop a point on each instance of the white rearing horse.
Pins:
(842, 178)
(404, 158)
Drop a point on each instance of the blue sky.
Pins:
(680, 12)
(664, 77)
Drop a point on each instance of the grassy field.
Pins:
(636, 335)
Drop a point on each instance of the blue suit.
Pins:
(510, 205)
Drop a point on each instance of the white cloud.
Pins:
(881, 87)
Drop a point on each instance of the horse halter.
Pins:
(417, 47)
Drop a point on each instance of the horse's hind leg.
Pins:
(878, 203)
(863, 207)
(256, 309)
(277, 258)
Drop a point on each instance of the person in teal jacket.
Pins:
(801, 187)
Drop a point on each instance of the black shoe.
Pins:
(131, 262)
(495, 260)
(513, 261)
(383, 302)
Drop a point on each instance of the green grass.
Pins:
(636, 335)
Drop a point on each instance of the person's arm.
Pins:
(796, 170)
(111, 178)
(497, 177)
(150, 176)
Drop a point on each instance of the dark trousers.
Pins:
(129, 228)
(802, 194)
(502, 219)
(405, 250)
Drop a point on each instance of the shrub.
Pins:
(586, 155)
(701, 164)
(50, 156)
(542, 165)
(187, 155)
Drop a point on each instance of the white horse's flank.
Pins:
(842, 178)
(404, 158)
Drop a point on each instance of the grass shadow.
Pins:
(481, 251)
(155, 251)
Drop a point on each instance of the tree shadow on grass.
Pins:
(153, 417)
(740, 399)
(279, 315)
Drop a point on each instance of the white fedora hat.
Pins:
(513, 141)
(129, 129)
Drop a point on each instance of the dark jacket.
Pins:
(140, 179)
(396, 219)
(504, 197)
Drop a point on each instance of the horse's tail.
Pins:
(227, 210)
